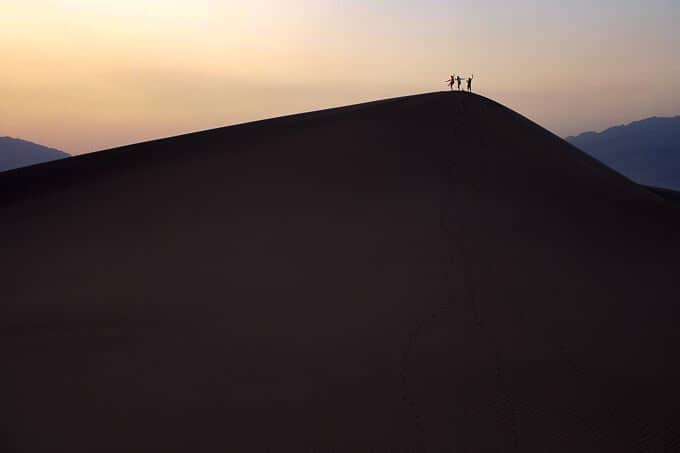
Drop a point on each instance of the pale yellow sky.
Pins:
(82, 75)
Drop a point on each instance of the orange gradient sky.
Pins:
(83, 75)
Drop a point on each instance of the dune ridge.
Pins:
(430, 273)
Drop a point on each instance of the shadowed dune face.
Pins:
(426, 273)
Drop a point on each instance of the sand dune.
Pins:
(429, 273)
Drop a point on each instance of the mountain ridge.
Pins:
(16, 152)
(646, 151)
(621, 127)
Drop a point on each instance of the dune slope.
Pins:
(429, 273)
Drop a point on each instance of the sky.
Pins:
(84, 75)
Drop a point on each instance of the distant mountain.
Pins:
(16, 153)
(646, 151)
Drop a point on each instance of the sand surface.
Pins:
(429, 273)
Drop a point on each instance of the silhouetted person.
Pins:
(458, 79)
(451, 81)
(469, 83)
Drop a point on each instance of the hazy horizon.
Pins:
(86, 75)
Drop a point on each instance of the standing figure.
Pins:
(469, 83)
(451, 81)
(458, 79)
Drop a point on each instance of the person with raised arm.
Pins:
(452, 81)
(469, 83)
